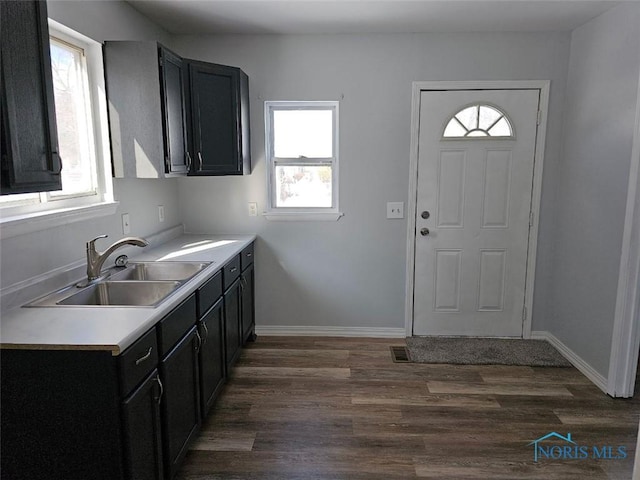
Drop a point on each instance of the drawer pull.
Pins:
(157, 379)
(144, 357)
(233, 269)
(249, 254)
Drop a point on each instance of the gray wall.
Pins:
(602, 87)
(352, 272)
(29, 255)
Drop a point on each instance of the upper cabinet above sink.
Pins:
(173, 116)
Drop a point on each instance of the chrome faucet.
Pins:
(96, 259)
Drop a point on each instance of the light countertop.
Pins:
(116, 328)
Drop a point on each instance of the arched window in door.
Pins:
(477, 121)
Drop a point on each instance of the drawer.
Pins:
(137, 361)
(246, 257)
(173, 327)
(231, 271)
(209, 293)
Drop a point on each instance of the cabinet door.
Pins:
(232, 325)
(181, 399)
(30, 159)
(247, 283)
(215, 119)
(173, 112)
(212, 360)
(142, 432)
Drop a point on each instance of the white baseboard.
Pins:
(587, 370)
(304, 331)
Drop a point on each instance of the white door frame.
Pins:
(626, 323)
(418, 87)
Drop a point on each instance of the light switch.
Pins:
(161, 213)
(253, 209)
(395, 209)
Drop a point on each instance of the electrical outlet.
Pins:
(395, 209)
(253, 209)
(161, 213)
(126, 224)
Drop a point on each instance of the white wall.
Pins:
(29, 255)
(602, 88)
(352, 272)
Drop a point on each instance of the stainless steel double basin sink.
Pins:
(139, 284)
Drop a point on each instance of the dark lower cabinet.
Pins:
(212, 374)
(232, 323)
(247, 284)
(181, 399)
(142, 431)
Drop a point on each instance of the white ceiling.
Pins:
(368, 16)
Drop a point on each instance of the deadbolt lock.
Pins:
(425, 214)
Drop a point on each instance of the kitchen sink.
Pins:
(143, 294)
(109, 294)
(154, 271)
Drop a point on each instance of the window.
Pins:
(478, 121)
(78, 81)
(302, 159)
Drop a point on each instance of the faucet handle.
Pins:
(91, 243)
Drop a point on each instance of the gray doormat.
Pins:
(484, 351)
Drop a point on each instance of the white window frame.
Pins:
(301, 213)
(49, 210)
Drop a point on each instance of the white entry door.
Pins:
(475, 174)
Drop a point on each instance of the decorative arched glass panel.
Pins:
(479, 121)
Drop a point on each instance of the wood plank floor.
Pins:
(339, 408)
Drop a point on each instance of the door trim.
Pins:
(417, 88)
(625, 343)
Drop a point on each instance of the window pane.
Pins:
(501, 129)
(72, 116)
(469, 117)
(488, 116)
(454, 129)
(303, 133)
(303, 186)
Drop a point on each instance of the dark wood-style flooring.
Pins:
(339, 408)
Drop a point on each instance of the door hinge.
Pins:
(531, 216)
(524, 313)
(539, 119)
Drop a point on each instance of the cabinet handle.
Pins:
(249, 254)
(206, 332)
(233, 269)
(188, 161)
(56, 166)
(144, 357)
(199, 341)
(159, 399)
(200, 160)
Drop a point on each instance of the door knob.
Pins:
(425, 214)
(424, 232)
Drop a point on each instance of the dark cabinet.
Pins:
(29, 143)
(219, 119)
(177, 156)
(142, 431)
(212, 360)
(147, 117)
(232, 327)
(247, 283)
(181, 400)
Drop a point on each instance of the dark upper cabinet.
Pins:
(29, 143)
(219, 111)
(172, 79)
(147, 117)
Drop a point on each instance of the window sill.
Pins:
(33, 222)
(303, 216)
